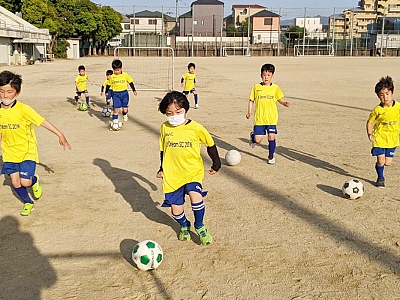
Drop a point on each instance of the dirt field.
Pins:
(281, 231)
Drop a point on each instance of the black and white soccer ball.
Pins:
(353, 189)
(107, 111)
(115, 125)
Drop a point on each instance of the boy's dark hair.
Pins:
(81, 67)
(178, 98)
(268, 68)
(116, 64)
(191, 65)
(15, 80)
(384, 83)
(109, 72)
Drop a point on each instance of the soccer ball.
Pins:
(233, 157)
(353, 189)
(115, 125)
(83, 106)
(147, 255)
(106, 111)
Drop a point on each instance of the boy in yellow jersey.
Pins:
(265, 95)
(119, 85)
(182, 168)
(383, 127)
(18, 140)
(188, 82)
(106, 82)
(80, 84)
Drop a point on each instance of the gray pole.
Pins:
(351, 32)
(383, 28)
(304, 28)
(192, 29)
(279, 33)
(333, 30)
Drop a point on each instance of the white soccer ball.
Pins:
(106, 111)
(353, 189)
(233, 157)
(116, 124)
(147, 255)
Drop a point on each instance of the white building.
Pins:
(20, 41)
(313, 27)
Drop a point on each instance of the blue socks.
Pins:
(23, 194)
(115, 117)
(196, 98)
(199, 210)
(379, 171)
(181, 219)
(34, 180)
(271, 148)
(87, 100)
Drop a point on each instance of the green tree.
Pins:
(245, 28)
(231, 30)
(294, 32)
(12, 5)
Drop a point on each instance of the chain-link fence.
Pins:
(208, 31)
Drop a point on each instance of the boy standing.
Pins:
(188, 82)
(182, 168)
(383, 127)
(119, 85)
(18, 140)
(265, 95)
(80, 84)
(104, 86)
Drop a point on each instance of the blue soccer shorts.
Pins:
(263, 129)
(120, 99)
(83, 92)
(187, 92)
(178, 197)
(26, 168)
(388, 152)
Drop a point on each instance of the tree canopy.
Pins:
(71, 19)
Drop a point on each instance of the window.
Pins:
(202, 22)
(267, 21)
(135, 21)
(152, 22)
(195, 22)
(127, 27)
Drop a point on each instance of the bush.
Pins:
(60, 48)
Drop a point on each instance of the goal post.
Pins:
(314, 50)
(152, 68)
(235, 51)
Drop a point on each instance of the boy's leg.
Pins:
(196, 99)
(77, 96)
(87, 98)
(125, 104)
(178, 213)
(125, 113)
(198, 206)
(22, 192)
(271, 148)
(380, 169)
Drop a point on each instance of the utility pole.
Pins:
(383, 29)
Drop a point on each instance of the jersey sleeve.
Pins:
(278, 93)
(33, 116)
(128, 78)
(372, 116)
(205, 137)
(252, 96)
(76, 79)
(161, 138)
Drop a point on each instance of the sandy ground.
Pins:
(281, 231)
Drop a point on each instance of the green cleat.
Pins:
(37, 188)
(184, 234)
(26, 211)
(204, 235)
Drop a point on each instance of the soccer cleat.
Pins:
(126, 118)
(204, 235)
(271, 161)
(28, 207)
(380, 183)
(251, 143)
(37, 188)
(184, 234)
(196, 105)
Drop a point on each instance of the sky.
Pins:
(288, 7)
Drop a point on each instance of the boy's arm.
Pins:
(62, 140)
(369, 127)
(213, 154)
(160, 171)
(91, 82)
(284, 103)
(77, 87)
(249, 109)
(182, 82)
(133, 88)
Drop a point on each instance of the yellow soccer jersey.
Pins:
(120, 82)
(81, 82)
(265, 97)
(18, 138)
(106, 82)
(182, 162)
(189, 81)
(386, 127)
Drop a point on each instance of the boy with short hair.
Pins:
(80, 84)
(265, 95)
(182, 168)
(119, 85)
(383, 128)
(106, 83)
(188, 82)
(18, 140)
